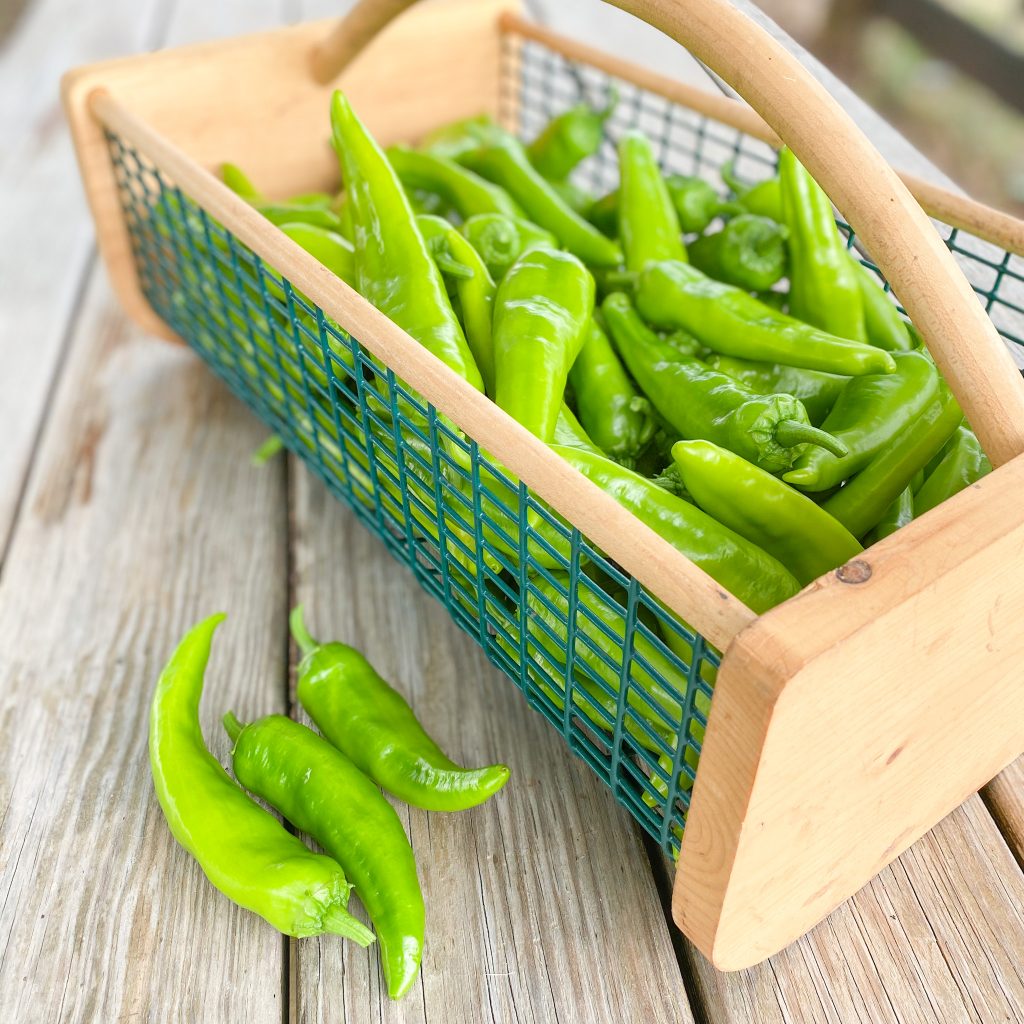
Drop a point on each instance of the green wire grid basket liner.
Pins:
(624, 682)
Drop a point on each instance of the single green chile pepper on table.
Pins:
(745, 570)
(330, 248)
(507, 165)
(823, 286)
(749, 252)
(568, 139)
(763, 198)
(862, 502)
(373, 725)
(768, 512)
(465, 192)
(394, 268)
(648, 225)
(243, 850)
(882, 321)
(475, 289)
(728, 320)
(500, 240)
(613, 412)
(963, 463)
(541, 312)
(896, 516)
(816, 390)
(870, 411)
(704, 403)
(322, 793)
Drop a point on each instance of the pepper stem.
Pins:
(790, 433)
(338, 921)
(232, 725)
(298, 626)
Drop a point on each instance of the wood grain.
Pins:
(540, 904)
(142, 516)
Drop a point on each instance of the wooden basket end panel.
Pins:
(848, 721)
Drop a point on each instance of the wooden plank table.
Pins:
(128, 509)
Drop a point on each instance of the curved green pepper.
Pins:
(744, 569)
(243, 850)
(863, 501)
(453, 140)
(541, 312)
(568, 139)
(816, 390)
(576, 198)
(648, 224)
(465, 192)
(703, 403)
(614, 413)
(474, 286)
(696, 204)
(868, 414)
(331, 249)
(749, 252)
(763, 198)
(500, 241)
(963, 462)
(508, 165)
(395, 270)
(760, 507)
(371, 723)
(569, 431)
(882, 321)
(728, 320)
(241, 184)
(823, 286)
(896, 516)
(321, 792)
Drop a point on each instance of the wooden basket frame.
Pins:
(839, 732)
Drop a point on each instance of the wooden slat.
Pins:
(934, 939)
(47, 233)
(540, 904)
(142, 515)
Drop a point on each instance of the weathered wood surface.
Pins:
(141, 514)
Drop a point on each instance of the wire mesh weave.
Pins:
(624, 682)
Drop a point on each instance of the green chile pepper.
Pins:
(541, 312)
(569, 431)
(823, 286)
(896, 516)
(745, 570)
(863, 501)
(500, 240)
(321, 792)
(287, 213)
(508, 165)
(764, 198)
(573, 196)
(728, 320)
(613, 412)
(371, 723)
(648, 224)
(704, 403)
(749, 252)
(768, 512)
(465, 192)
(816, 390)
(568, 139)
(243, 850)
(330, 248)
(868, 414)
(395, 270)
(882, 321)
(453, 140)
(475, 289)
(241, 184)
(963, 463)
(696, 204)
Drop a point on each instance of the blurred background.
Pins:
(948, 73)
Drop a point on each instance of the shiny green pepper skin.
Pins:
(962, 462)
(648, 225)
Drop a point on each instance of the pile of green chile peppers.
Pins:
(712, 355)
(325, 786)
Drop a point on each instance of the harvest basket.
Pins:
(845, 722)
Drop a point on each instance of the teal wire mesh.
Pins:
(627, 685)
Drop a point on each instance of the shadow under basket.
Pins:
(837, 727)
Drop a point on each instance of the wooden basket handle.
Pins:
(865, 189)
